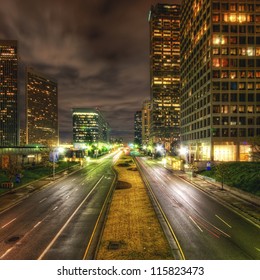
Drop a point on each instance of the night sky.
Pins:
(97, 50)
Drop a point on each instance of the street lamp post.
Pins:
(53, 164)
(55, 153)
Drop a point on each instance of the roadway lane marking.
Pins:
(82, 184)
(223, 221)
(196, 224)
(67, 197)
(73, 180)
(43, 200)
(8, 223)
(76, 190)
(62, 187)
(68, 221)
(257, 249)
(37, 224)
(10, 249)
(195, 199)
(176, 201)
(56, 207)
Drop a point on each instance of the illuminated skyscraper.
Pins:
(41, 109)
(89, 126)
(138, 128)
(220, 73)
(9, 127)
(165, 73)
(146, 118)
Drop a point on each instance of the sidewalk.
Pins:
(243, 203)
(15, 195)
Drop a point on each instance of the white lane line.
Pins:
(37, 224)
(62, 187)
(76, 190)
(257, 249)
(73, 179)
(223, 221)
(54, 208)
(176, 201)
(43, 200)
(10, 249)
(8, 223)
(196, 224)
(195, 199)
(68, 221)
(82, 184)
(67, 197)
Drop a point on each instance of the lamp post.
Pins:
(55, 154)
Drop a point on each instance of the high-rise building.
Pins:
(89, 126)
(138, 128)
(41, 109)
(220, 74)
(146, 110)
(165, 73)
(9, 124)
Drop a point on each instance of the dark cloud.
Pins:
(97, 50)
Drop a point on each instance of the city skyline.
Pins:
(96, 61)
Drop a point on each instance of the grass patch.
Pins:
(33, 173)
(132, 230)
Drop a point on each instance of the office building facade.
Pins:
(146, 122)
(9, 122)
(41, 109)
(89, 126)
(164, 22)
(138, 128)
(220, 73)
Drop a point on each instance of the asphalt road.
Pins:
(205, 229)
(57, 221)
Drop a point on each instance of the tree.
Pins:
(255, 142)
(221, 172)
(13, 168)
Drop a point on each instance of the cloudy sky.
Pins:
(97, 50)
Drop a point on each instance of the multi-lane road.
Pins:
(204, 228)
(58, 221)
(63, 220)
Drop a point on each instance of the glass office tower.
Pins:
(89, 126)
(41, 109)
(9, 126)
(220, 74)
(164, 22)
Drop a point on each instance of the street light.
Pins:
(55, 154)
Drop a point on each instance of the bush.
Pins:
(241, 175)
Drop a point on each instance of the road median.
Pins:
(132, 230)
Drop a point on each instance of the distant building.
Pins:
(138, 128)
(22, 137)
(164, 22)
(41, 109)
(146, 122)
(220, 73)
(9, 124)
(89, 126)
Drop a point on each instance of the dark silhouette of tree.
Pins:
(255, 142)
(221, 172)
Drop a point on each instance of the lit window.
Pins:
(216, 62)
(233, 74)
